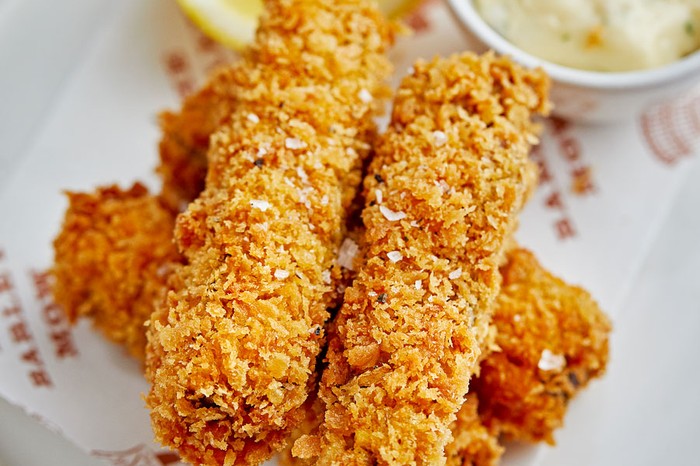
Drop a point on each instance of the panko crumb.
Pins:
(399, 363)
(391, 215)
(552, 339)
(112, 261)
(551, 362)
(222, 389)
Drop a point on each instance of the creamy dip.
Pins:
(602, 35)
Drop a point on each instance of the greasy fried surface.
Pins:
(232, 353)
(453, 171)
(553, 339)
(111, 261)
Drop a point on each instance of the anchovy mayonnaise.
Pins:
(603, 35)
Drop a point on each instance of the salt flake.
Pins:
(418, 284)
(326, 276)
(440, 138)
(346, 254)
(455, 274)
(551, 362)
(301, 173)
(253, 118)
(380, 196)
(281, 274)
(394, 256)
(365, 96)
(391, 215)
(260, 204)
(294, 143)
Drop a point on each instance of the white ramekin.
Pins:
(589, 96)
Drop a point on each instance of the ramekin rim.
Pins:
(472, 19)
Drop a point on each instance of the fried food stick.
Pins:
(553, 340)
(443, 191)
(513, 397)
(106, 295)
(111, 261)
(232, 352)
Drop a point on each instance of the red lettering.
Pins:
(176, 62)
(20, 332)
(205, 43)
(545, 174)
(559, 125)
(565, 229)
(5, 283)
(53, 314)
(536, 156)
(42, 283)
(582, 180)
(32, 356)
(12, 310)
(184, 87)
(570, 149)
(418, 21)
(554, 201)
(63, 344)
(40, 378)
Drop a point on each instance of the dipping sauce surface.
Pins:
(600, 35)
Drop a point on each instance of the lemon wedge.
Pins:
(233, 22)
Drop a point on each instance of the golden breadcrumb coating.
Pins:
(453, 171)
(111, 260)
(303, 452)
(546, 306)
(553, 339)
(232, 353)
(185, 138)
(472, 443)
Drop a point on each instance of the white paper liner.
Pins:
(604, 194)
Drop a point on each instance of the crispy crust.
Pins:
(472, 443)
(185, 141)
(520, 400)
(547, 306)
(232, 352)
(111, 261)
(453, 171)
(538, 312)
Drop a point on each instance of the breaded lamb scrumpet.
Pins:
(535, 311)
(111, 261)
(553, 340)
(185, 138)
(448, 178)
(232, 352)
